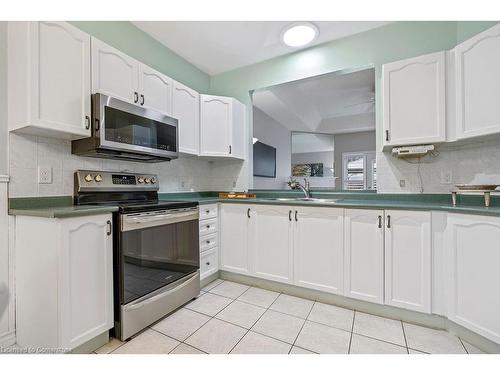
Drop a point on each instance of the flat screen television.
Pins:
(264, 160)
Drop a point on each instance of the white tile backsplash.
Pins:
(27, 153)
(477, 162)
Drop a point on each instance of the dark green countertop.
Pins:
(54, 207)
(61, 207)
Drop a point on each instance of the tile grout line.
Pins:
(404, 335)
(352, 331)
(246, 333)
(302, 326)
(463, 345)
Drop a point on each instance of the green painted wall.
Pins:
(392, 42)
(134, 42)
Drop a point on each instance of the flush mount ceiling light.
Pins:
(299, 34)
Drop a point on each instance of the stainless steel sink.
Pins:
(313, 200)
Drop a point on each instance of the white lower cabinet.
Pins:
(234, 238)
(318, 248)
(64, 280)
(271, 242)
(408, 259)
(364, 255)
(473, 275)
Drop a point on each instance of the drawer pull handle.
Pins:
(208, 263)
(207, 212)
(208, 241)
(208, 226)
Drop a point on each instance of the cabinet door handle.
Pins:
(290, 215)
(142, 99)
(387, 135)
(379, 221)
(388, 221)
(230, 150)
(296, 218)
(110, 227)
(87, 122)
(136, 97)
(248, 213)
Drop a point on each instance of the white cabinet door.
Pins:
(414, 100)
(155, 89)
(186, 108)
(86, 282)
(60, 77)
(408, 259)
(364, 255)
(215, 125)
(234, 237)
(474, 259)
(318, 248)
(477, 81)
(271, 246)
(114, 73)
(49, 79)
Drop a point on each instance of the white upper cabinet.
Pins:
(408, 259)
(155, 90)
(414, 100)
(234, 238)
(114, 73)
(186, 108)
(318, 248)
(473, 259)
(222, 127)
(271, 247)
(49, 79)
(477, 84)
(364, 255)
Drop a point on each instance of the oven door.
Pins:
(157, 249)
(122, 126)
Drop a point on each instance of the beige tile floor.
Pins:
(229, 317)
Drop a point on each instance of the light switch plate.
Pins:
(44, 175)
(402, 183)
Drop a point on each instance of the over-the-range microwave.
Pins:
(122, 130)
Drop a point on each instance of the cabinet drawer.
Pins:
(208, 242)
(209, 263)
(208, 211)
(208, 226)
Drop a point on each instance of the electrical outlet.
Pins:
(446, 177)
(183, 184)
(44, 175)
(402, 183)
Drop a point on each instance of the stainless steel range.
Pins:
(156, 246)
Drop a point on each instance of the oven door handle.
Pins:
(156, 220)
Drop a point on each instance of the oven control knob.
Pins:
(153, 180)
(140, 180)
(88, 177)
(98, 178)
(147, 180)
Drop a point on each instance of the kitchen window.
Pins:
(359, 170)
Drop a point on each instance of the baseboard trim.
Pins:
(8, 339)
(427, 320)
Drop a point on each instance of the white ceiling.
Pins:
(332, 103)
(219, 46)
